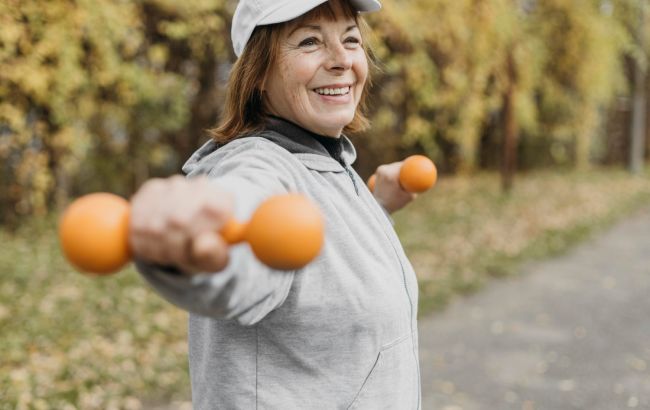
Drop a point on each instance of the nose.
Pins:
(339, 58)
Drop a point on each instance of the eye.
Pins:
(308, 42)
(353, 41)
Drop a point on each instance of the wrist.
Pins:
(389, 210)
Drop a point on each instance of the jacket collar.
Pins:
(298, 140)
(309, 147)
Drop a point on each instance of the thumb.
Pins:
(209, 252)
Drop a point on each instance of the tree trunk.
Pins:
(510, 130)
(585, 136)
(637, 135)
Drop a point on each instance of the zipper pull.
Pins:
(354, 182)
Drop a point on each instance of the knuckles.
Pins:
(152, 186)
(382, 170)
(176, 205)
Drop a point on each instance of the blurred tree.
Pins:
(94, 94)
(439, 82)
(443, 82)
(582, 72)
(639, 90)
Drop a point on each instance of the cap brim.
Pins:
(288, 10)
(366, 6)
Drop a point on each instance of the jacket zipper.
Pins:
(408, 295)
(356, 189)
(354, 182)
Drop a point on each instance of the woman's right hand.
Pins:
(176, 222)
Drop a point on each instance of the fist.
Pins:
(176, 221)
(388, 191)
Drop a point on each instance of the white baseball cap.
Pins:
(252, 13)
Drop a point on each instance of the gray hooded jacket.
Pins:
(340, 333)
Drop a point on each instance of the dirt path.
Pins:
(570, 333)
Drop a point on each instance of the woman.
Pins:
(340, 332)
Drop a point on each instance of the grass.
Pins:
(465, 231)
(69, 341)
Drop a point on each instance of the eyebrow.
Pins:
(318, 28)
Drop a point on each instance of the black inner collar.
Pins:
(333, 147)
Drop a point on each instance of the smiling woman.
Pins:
(340, 332)
(276, 52)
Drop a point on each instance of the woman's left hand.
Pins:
(388, 191)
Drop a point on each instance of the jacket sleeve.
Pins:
(246, 290)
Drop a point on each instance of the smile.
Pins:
(333, 91)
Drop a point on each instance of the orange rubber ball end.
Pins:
(418, 173)
(286, 232)
(93, 232)
(371, 182)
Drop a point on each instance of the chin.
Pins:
(338, 121)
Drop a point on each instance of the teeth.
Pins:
(333, 91)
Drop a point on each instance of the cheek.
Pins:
(296, 78)
(297, 75)
(360, 67)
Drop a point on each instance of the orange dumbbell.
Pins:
(417, 174)
(285, 232)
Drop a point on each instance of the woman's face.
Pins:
(319, 75)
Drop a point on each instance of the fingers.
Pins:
(388, 190)
(389, 172)
(176, 221)
(145, 227)
(209, 252)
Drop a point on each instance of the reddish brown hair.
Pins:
(244, 109)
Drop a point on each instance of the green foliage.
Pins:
(582, 66)
(446, 69)
(92, 92)
(101, 95)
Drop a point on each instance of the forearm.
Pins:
(245, 291)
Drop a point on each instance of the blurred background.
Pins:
(533, 110)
